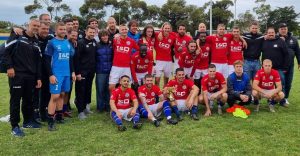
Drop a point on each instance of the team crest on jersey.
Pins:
(80, 36)
(128, 42)
(169, 40)
(291, 41)
(217, 39)
(152, 94)
(275, 45)
(216, 81)
(209, 83)
(183, 42)
(271, 77)
(146, 61)
(87, 46)
(207, 48)
(138, 61)
(224, 38)
(127, 95)
(184, 87)
(240, 43)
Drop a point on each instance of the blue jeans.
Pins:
(251, 67)
(102, 92)
(288, 80)
(282, 78)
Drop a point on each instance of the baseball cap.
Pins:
(282, 25)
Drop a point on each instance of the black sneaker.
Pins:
(51, 127)
(194, 116)
(137, 125)
(122, 128)
(172, 122)
(159, 118)
(31, 125)
(156, 123)
(180, 118)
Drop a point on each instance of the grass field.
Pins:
(263, 133)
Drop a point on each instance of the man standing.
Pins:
(275, 49)
(124, 104)
(23, 61)
(267, 84)
(85, 65)
(58, 57)
(239, 87)
(81, 34)
(112, 28)
(188, 57)
(293, 49)
(235, 49)
(214, 88)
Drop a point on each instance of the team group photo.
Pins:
(138, 77)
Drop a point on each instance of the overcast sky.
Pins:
(13, 10)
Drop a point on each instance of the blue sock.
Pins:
(176, 111)
(136, 118)
(194, 109)
(167, 109)
(65, 108)
(143, 111)
(116, 119)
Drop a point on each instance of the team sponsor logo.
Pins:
(63, 56)
(163, 45)
(180, 93)
(267, 84)
(128, 42)
(184, 87)
(122, 49)
(152, 94)
(127, 95)
(236, 49)
(123, 102)
(221, 45)
(146, 61)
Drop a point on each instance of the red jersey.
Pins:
(213, 85)
(141, 65)
(149, 42)
(202, 60)
(123, 98)
(267, 81)
(219, 47)
(122, 51)
(181, 43)
(182, 90)
(163, 47)
(235, 51)
(149, 93)
(186, 60)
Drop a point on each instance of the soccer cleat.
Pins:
(156, 123)
(272, 108)
(180, 118)
(31, 125)
(172, 122)
(122, 128)
(17, 132)
(137, 125)
(82, 116)
(194, 117)
(51, 127)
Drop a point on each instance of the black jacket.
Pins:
(277, 51)
(293, 48)
(24, 55)
(85, 56)
(254, 42)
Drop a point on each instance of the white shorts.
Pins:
(188, 71)
(175, 66)
(181, 105)
(125, 113)
(153, 109)
(200, 73)
(117, 72)
(263, 95)
(222, 68)
(163, 67)
(140, 77)
(230, 69)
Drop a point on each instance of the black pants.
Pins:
(232, 99)
(83, 91)
(21, 88)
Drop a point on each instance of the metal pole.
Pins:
(234, 12)
(210, 18)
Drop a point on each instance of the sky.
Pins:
(13, 10)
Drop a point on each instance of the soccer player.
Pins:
(239, 87)
(213, 89)
(141, 64)
(58, 57)
(163, 50)
(267, 84)
(147, 95)
(85, 65)
(185, 96)
(22, 57)
(148, 38)
(180, 46)
(122, 47)
(187, 58)
(235, 49)
(124, 104)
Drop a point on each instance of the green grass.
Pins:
(263, 133)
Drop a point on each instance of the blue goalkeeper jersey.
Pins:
(61, 52)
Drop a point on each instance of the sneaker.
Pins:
(272, 108)
(284, 103)
(194, 116)
(37, 122)
(82, 116)
(87, 111)
(31, 125)
(180, 118)
(51, 127)
(220, 111)
(156, 123)
(122, 128)
(172, 122)
(159, 118)
(137, 125)
(17, 132)
(256, 108)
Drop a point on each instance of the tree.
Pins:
(153, 15)
(262, 10)
(53, 7)
(93, 8)
(244, 20)
(284, 15)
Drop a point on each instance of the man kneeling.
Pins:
(120, 104)
(267, 84)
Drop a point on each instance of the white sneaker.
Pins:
(272, 108)
(286, 101)
(82, 116)
(88, 109)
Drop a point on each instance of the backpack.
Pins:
(3, 68)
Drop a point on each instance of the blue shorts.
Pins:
(63, 85)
